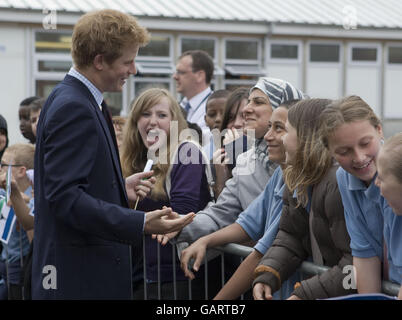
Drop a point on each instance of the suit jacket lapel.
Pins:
(112, 145)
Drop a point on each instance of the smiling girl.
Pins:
(148, 131)
(353, 134)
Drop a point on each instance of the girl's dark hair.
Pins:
(233, 103)
(37, 104)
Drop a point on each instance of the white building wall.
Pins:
(324, 81)
(366, 83)
(13, 82)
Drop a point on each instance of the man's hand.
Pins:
(195, 251)
(139, 185)
(163, 239)
(165, 221)
(262, 291)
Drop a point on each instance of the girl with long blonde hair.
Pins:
(156, 128)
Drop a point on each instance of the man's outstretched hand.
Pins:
(165, 221)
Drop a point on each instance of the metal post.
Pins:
(206, 277)
(223, 268)
(158, 250)
(144, 266)
(7, 274)
(21, 260)
(174, 271)
(190, 296)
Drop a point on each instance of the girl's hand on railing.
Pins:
(163, 239)
(262, 291)
(197, 252)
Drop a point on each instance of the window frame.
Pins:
(49, 56)
(325, 63)
(159, 58)
(199, 37)
(367, 45)
(257, 61)
(387, 64)
(218, 71)
(297, 60)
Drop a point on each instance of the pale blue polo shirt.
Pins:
(261, 222)
(369, 221)
(393, 239)
(363, 210)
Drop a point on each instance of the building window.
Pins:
(324, 52)
(44, 87)
(284, 60)
(208, 45)
(158, 48)
(364, 54)
(242, 50)
(243, 62)
(53, 42)
(154, 66)
(52, 60)
(395, 54)
(54, 66)
(284, 51)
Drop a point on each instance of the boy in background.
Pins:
(21, 158)
(24, 112)
(214, 110)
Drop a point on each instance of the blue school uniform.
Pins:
(393, 239)
(370, 221)
(363, 215)
(261, 222)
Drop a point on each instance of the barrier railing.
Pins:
(307, 269)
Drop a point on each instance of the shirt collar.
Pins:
(280, 186)
(355, 184)
(91, 87)
(197, 99)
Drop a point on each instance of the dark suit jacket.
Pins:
(83, 227)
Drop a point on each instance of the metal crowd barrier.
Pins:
(307, 269)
